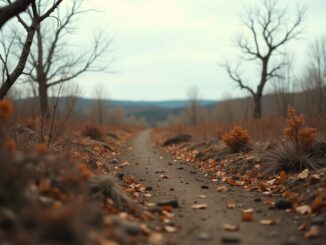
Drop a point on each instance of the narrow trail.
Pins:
(184, 184)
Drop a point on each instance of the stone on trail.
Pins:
(283, 204)
(172, 203)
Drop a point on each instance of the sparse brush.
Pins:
(93, 132)
(106, 187)
(303, 138)
(296, 154)
(236, 139)
(286, 157)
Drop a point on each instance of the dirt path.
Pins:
(184, 184)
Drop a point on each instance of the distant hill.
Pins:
(153, 111)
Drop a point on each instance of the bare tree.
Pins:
(37, 16)
(315, 77)
(12, 9)
(193, 107)
(270, 29)
(52, 62)
(101, 96)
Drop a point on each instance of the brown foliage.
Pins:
(6, 109)
(93, 132)
(237, 138)
(302, 138)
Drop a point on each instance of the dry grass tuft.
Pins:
(104, 187)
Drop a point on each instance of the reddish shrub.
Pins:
(236, 139)
(6, 109)
(302, 138)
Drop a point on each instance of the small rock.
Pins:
(230, 239)
(114, 161)
(203, 236)
(205, 187)
(172, 203)
(193, 172)
(235, 177)
(257, 199)
(155, 210)
(283, 204)
(120, 175)
(320, 221)
(171, 189)
(180, 168)
(7, 219)
(149, 188)
(131, 228)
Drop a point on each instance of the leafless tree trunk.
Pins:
(193, 107)
(36, 19)
(316, 75)
(12, 9)
(270, 30)
(100, 94)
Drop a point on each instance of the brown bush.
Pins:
(236, 139)
(93, 132)
(303, 138)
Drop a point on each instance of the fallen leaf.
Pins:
(304, 209)
(230, 227)
(164, 176)
(249, 210)
(231, 205)
(304, 174)
(44, 185)
(247, 217)
(202, 196)
(199, 206)
(302, 227)
(316, 204)
(222, 188)
(267, 222)
(312, 232)
(170, 229)
(283, 177)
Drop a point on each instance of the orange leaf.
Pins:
(283, 177)
(42, 148)
(247, 216)
(316, 204)
(44, 185)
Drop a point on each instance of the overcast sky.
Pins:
(162, 48)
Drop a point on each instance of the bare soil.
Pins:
(185, 183)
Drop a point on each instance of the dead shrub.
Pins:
(303, 138)
(93, 132)
(237, 138)
(297, 153)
